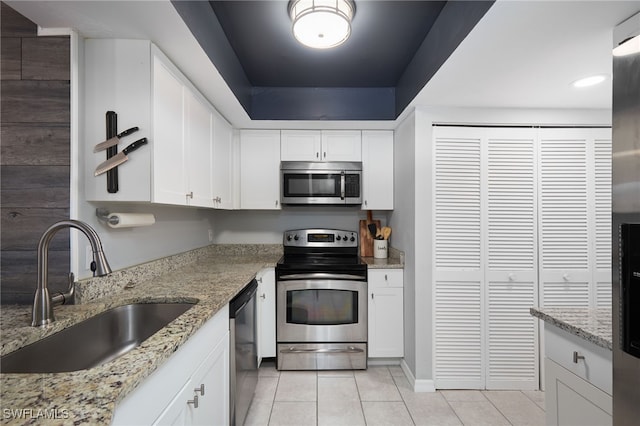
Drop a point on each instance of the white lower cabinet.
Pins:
(578, 376)
(386, 313)
(266, 313)
(198, 371)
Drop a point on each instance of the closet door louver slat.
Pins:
(602, 195)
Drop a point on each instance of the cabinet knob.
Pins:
(217, 200)
(200, 389)
(193, 401)
(576, 357)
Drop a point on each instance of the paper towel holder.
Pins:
(113, 219)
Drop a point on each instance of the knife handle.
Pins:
(135, 145)
(127, 132)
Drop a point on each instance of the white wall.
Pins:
(267, 226)
(403, 222)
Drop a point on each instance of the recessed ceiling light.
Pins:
(589, 81)
(321, 24)
(628, 47)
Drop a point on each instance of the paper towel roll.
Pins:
(128, 220)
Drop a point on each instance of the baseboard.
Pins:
(418, 385)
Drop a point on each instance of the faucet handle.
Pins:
(69, 296)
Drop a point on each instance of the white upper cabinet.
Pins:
(321, 145)
(260, 169)
(139, 83)
(222, 163)
(301, 145)
(377, 169)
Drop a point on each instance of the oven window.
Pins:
(311, 185)
(322, 307)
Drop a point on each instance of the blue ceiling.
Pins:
(394, 49)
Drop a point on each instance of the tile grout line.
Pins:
(496, 407)
(450, 406)
(402, 398)
(274, 399)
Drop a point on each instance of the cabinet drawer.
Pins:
(386, 277)
(596, 367)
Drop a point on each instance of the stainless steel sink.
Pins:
(93, 341)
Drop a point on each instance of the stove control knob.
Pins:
(353, 238)
(296, 237)
(345, 238)
(338, 238)
(289, 237)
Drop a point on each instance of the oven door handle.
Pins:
(321, 275)
(342, 185)
(348, 350)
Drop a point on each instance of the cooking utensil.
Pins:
(114, 140)
(120, 157)
(372, 229)
(386, 232)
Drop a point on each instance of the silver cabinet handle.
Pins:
(386, 278)
(317, 155)
(193, 401)
(276, 203)
(325, 154)
(342, 185)
(576, 357)
(200, 389)
(263, 296)
(190, 194)
(371, 296)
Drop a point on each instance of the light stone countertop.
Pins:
(394, 261)
(593, 325)
(90, 396)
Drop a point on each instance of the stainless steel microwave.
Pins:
(320, 183)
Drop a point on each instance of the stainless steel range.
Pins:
(321, 301)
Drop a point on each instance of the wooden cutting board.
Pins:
(366, 239)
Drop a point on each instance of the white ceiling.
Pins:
(526, 54)
(522, 54)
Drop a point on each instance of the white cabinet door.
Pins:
(198, 142)
(458, 259)
(300, 145)
(266, 313)
(260, 169)
(180, 410)
(222, 163)
(169, 154)
(341, 145)
(211, 384)
(571, 400)
(511, 259)
(386, 313)
(377, 170)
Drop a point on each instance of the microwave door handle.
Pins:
(342, 185)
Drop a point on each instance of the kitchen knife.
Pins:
(120, 157)
(114, 140)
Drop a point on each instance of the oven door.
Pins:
(321, 310)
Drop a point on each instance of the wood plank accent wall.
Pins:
(34, 154)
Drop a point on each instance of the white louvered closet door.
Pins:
(602, 218)
(511, 264)
(565, 274)
(458, 274)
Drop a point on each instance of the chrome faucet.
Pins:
(43, 304)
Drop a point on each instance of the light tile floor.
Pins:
(381, 396)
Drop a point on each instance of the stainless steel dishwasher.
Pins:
(244, 363)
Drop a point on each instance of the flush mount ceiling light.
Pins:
(321, 24)
(589, 81)
(628, 47)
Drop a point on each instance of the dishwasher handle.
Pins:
(238, 302)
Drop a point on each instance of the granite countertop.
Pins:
(90, 396)
(593, 325)
(394, 261)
